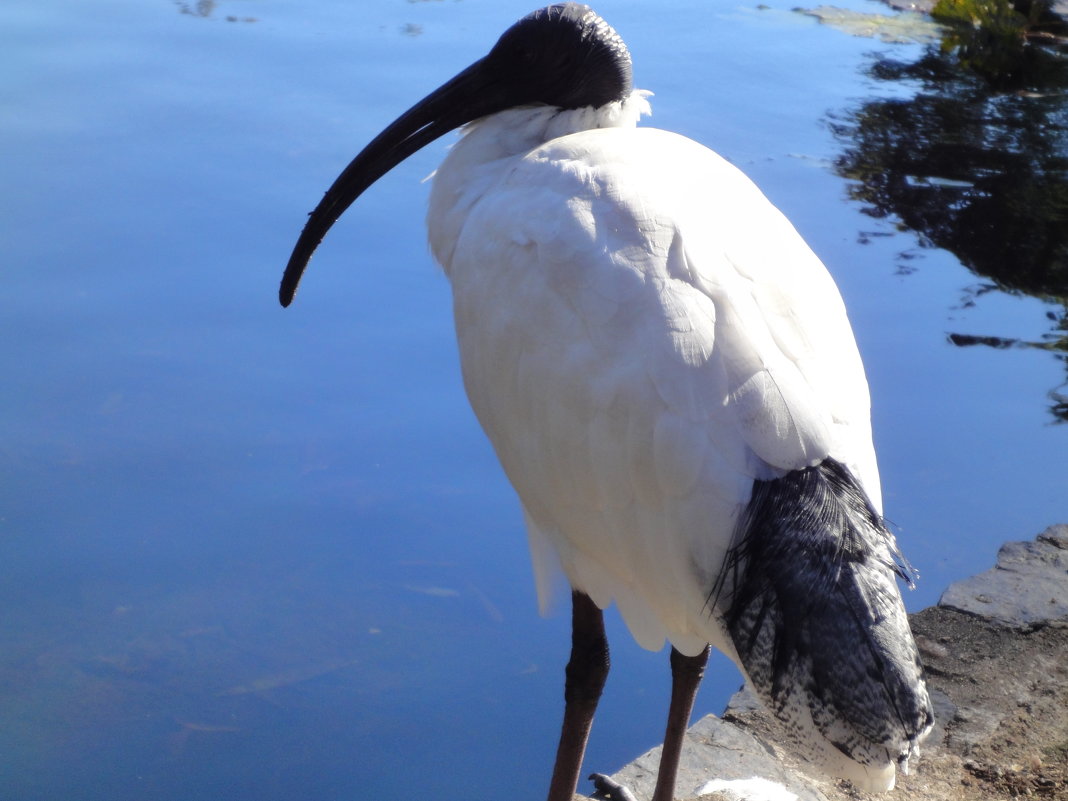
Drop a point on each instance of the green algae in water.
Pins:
(905, 28)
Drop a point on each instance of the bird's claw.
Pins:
(609, 789)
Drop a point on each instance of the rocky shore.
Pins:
(996, 652)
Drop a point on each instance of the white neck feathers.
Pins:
(488, 146)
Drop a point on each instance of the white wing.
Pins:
(642, 335)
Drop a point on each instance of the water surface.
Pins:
(266, 554)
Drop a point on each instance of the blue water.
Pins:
(248, 553)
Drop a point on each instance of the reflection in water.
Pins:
(976, 163)
(994, 38)
(206, 9)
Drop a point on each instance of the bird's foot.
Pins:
(608, 789)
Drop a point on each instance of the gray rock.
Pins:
(1028, 587)
(715, 749)
(945, 712)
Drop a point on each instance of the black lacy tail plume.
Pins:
(814, 612)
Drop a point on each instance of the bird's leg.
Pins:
(585, 676)
(686, 674)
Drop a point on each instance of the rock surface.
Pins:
(1027, 587)
(996, 652)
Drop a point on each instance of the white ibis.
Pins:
(669, 379)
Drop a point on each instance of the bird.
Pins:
(670, 381)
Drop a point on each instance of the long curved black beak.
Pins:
(473, 93)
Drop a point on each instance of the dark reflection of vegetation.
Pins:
(983, 176)
(976, 161)
(996, 39)
(206, 9)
